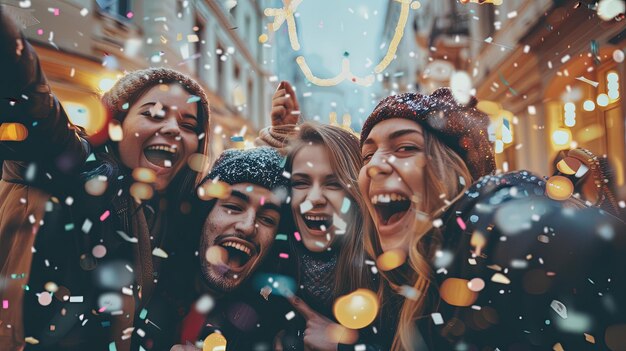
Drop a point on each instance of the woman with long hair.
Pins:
(490, 264)
(105, 256)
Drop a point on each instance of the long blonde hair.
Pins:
(345, 161)
(442, 175)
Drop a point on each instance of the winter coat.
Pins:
(516, 270)
(99, 279)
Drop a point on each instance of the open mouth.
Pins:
(390, 208)
(239, 253)
(318, 221)
(161, 155)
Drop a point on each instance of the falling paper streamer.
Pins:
(588, 81)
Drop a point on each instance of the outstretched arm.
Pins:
(27, 104)
(285, 117)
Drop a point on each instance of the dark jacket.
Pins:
(93, 254)
(553, 273)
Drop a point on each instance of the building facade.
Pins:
(85, 45)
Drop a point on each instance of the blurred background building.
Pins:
(86, 45)
(550, 73)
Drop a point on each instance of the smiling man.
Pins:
(237, 235)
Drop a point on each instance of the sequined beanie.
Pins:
(462, 128)
(262, 166)
(129, 88)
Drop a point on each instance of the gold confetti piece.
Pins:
(214, 190)
(568, 165)
(145, 175)
(478, 242)
(13, 132)
(115, 130)
(192, 38)
(589, 338)
(391, 259)
(558, 347)
(559, 188)
(214, 342)
(455, 292)
(158, 252)
(500, 278)
(141, 191)
(357, 309)
(263, 38)
(51, 287)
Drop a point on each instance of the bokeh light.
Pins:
(456, 292)
(357, 309)
(559, 188)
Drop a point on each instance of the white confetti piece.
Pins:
(158, 252)
(437, 318)
(306, 206)
(559, 308)
(290, 315)
(86, 227)
(500, 278)
(76, 299)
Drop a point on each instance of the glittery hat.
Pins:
(462, 128)
(262, 166)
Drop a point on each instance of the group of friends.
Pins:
(137, 243)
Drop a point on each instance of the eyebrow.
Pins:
(166, 108)
(246, 198)
(396, 134)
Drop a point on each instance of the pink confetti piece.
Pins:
(130, 15)
(105, 215)
(40, 31)
(262, 200)
(5, 304)
(102, 309)
(460, 222)
(297, 235)
(283, 255)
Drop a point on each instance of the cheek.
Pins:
(191, 143)
(363, 181)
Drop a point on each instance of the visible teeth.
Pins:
(237, 246)
(386, 198)
(171, 150)
(316, 218)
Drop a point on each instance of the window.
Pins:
(118, 8)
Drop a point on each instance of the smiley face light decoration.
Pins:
(286, 14)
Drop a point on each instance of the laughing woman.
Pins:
(106, 247)
(327, 208)
(493, 265)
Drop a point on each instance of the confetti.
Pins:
(559, 308)
(5, 304)
(76, 299)
(437, 318)
(13, 132)
(391, 259)
(158, 252)
(122, 234)
(283, 255)
(116, 132)
(306, 206)
(99, 251)
(290, 315)
(588, 81)
(44, 298)
(455, 292)
(297, 236)
(500, 278)
(31, 340)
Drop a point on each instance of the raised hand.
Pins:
(321, 333)
(285, 107)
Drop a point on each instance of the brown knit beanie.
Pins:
(130, 87)
(462, 128)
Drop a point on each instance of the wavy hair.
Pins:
(442, 175)
(345, 161)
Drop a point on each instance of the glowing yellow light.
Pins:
(286, 13)
(602, 100)
(561, 137)
(145, 175)
(263, 38)
(213, 190)
(589, 105)
(214, 342)
(357, 309)
(116, 133)
(391, 259)
(13, 132)
(559, 188)
(456, 292)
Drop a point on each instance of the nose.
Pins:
(316, 195)
(378, 166)
(170, 126)
(246, 224)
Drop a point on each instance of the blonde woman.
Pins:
(493, 265)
